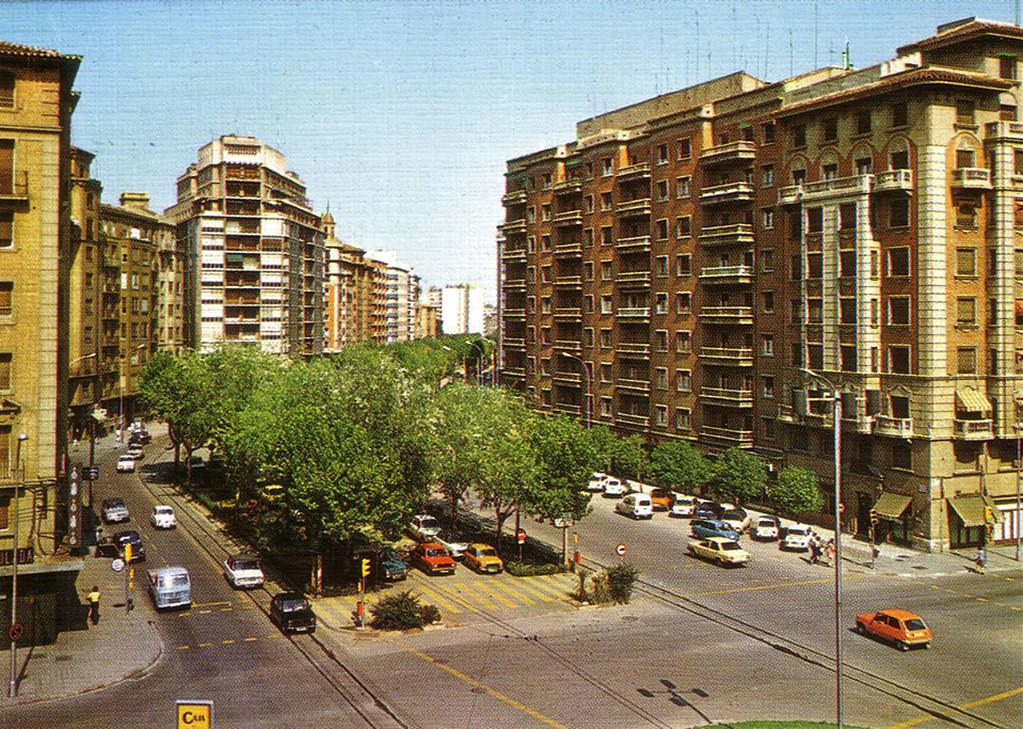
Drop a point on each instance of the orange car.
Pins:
(433, 559)
(901, 627)
(661, 499)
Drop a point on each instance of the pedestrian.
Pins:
(814, 546)
(94, 605)
(829, 552)
(981, 559)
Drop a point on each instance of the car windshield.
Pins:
(766, 523)
(798, 531)
(173, 580)
(114, 503)
(292, 606)
(915, 624)
(435, 552)
(730, 546)
(246, 564)
(164, 511)
(427, 522)
(490, 552)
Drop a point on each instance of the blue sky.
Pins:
(401, 115)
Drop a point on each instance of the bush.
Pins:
(402, 611)
(610, 585)
(620, 580)
(527, 569)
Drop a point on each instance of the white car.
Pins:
(126, 464)
(243, 570)
(638, 506)
(424, 527)
(613, 487)
(797, 538)
(456, 548)
(114, 510)
(766, 528)
(596, 482)
(135, 450)
(682, 506)
(720, 550)
(163, 517)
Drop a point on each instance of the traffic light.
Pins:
(989, 515)
(873, 516)
(127, 553)
(365, 567)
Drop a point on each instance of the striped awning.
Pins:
(891, 505)
(972, 401)
(971, 509)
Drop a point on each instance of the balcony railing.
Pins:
(515, 372)
(741, 151)
(730, 192)
(727, 396)
(887, 425)
(729, 356)
(974, 429)
(741, 274)
(568, 407)
(633, 419)
(836, 186)
(635, 348)
(567, 187)
(893, 180)
(637, 171)
(1011, 130)
(633, 312)
(568, 218)
(571, 378)
(633, 208)
(514, 226)
(727, 314)
(514, 198)
(565, 250)
(568, 312)
(514, 254)
(633, 244)
(627, 383)
(640, 278)
(723, 235)
(514, 342)
(514, 313)
(570, 345)
(971, 178)
(575, 281)
(515, 283)
(726, 436)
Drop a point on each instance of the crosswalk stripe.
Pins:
(508, 589)
(440, 600)
(486, 595)
(520, 584)
(553, 587)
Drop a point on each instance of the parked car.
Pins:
(243, 570)
(638, 506)
(292, 613)
(456, 548)
(139, 436)
(766, 528)
(132, 537)
(797, 538)
(704, 528)
(737, 517)
(483, 558)
(433, 559)
(170, 587)
(707, 510)
(126, 464)
(720, 550)
(114, 510)
(682, 506)
(163, 517)
(390, 565)
(900, 627)
(661, 499)
(423, 527)
(135, 450)
(596, 482)
(613, 487)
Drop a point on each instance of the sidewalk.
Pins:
(87, 659)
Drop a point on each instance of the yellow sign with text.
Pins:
(195, 715)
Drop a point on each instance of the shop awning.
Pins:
(972, 401)
(891, 505)
(971, 509)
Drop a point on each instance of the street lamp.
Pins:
(836, 399)
(12, 686)
(586, 376)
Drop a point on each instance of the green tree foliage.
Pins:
(796, 491)
(739, 475)
(604, 442)
(565, 458)
(678, 465)
(629, 457)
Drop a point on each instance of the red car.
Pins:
(433, 559)
(901, 627)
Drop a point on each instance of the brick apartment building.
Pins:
(719, 258)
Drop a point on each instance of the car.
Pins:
(114, 510)
(483, 558)
(637, 506)
(423, 527)
(390, 565)
(139, 436)
(126, 464)
(682, 506)
(197, 464)
(706, 510)
(433, 559)
(613, 487)
(135, 450)
(170, 587)
(720, 550)
(766, 528)
(596, 482)
(456, 548)
(292, 613)
(163, 517)
(737, 517)
(797, 538)
(705, 528)
(900, 627)
(661, 499)
(243, 570)
(132, 537)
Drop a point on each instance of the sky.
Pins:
(401, 116)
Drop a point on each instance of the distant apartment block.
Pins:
(716, 256)
(461, 309)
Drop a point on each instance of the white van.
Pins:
(637, 506)
(170, 587)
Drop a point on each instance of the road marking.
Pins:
(970, 705)
(205, 645)
(442, 601)
(981, 599)
(229, 641)
(754, 588)
(249, 640)
(483, 597)
(496, 584)
(521, 584)
(184, 647)
(492, 692)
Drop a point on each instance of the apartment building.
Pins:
(400, 288)
(254, 270)
(724, 258)
(38, 521)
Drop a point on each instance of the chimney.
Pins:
(135, 200)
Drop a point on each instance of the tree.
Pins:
(629, 457)
(604, 443)
(459, 439)
(739, 475)
(796, 491)
(680, 466)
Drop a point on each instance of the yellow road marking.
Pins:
(249, 640)
(184, 647)
(480, 596)
(229, 641)
(205, 645)
(981, 599)
(442, 601)
(492, 692)
(210, 604)
(970, 705)
(773, 587)
(547, 585)
(496, 584)
(521, 584)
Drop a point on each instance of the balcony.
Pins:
(973, 429)
(727, 356)
(1008, 130)
(18, 190)
(568, 218)
(727, 235)
(633, 208)
(727, 314)
(899, 427)
(514, 343)
(568, 250)
(726, 437)
(514, 254)
(633, 244)
(638, 171)
(568, 378)
(726, 396)
(514, 198)
(516, 314)
(634, 279)
(514, 226)
(741, 151)
(836, 187)
(893, 181)
(633, 348)
(971, 178)
(727, 194)
(568, 408)
(513, 372)
(515, 283)
(569, 345)
(740, 274)
(633, 313)
(568, 313)
(573, 281)
(625, 383)
(642, 421)
(568, 187)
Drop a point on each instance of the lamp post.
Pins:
(1018, 526)
(586, 379)
(836, 400)
(12, 686)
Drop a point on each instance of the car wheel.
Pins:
(721, 562)
(927, 645)
(861, 629)
(902, 646)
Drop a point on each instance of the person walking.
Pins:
(94, 605)
(981, 559)
(829, 553)
(815, 548)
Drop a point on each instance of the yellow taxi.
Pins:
(482, 558)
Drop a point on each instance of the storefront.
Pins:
(968, 520)
(894, 522)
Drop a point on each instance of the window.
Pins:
(6, 228)
(899, 160)
(898, 262)
(588, 171)
(848, 355)
(799, 135)
(662, 229)
(966, 158)
(796, 268)
(606, 372)
(606, 167)
(966, 360)
(966, 311)
(588, 237)
(683, 226)
(767, 260)
(898, 359)
(605, 338)
(6, 89)
(683, 303)
(545, 243)
(683, 380)
(814, 265)
(531, 214)
(898, 213)
(767, 302)
(545, 336)
(899, 114)
(683, 264)
(795, 311)
(547, 181)
(767, 176)
(683, 342)
(864, 165)
(662, 190)
(767, 218)
(814, 310)
(767, 345)
(661, 340)
(661, 304)
(6, 361)
(830, 129)
(588, 336)
(605, 201)
(661, 416)
(588, 203)
(768, 132)
(588, 271)
(815, 356)
(847, 216)
(898, 310)
(683, 419)
(662, 154)
(661, 378)
(531, 244)
(847, 263)
(902, 455)
(797, 354)
(964, 111)
(798, 176)
(847, 310)
(606, 271)
(546, 274)
(588, 303)
(863, 122)
(830, 171)
(767, 386)
(1006, 68)
(606, 304)
(966, 215)
(685, 148)
(545, 305)
(874, 316)
(607, 235)
(814, 220)
(661, 266)
(966, 262)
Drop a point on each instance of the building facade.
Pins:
(724, 258)
(254, 268)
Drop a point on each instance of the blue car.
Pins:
(704, 528)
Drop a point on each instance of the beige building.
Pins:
(697, 252)
(352, 301)
(38, 516)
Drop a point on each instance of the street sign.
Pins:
(15, 631)
(520, 536)
(620, 549)
(195, 714)
(91, 473)
(117, 565)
